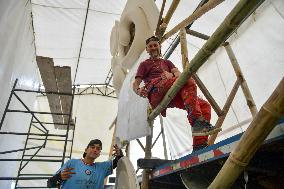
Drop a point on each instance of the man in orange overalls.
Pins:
(159, 75)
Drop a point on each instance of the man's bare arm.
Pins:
(136, 84)
(139, 91)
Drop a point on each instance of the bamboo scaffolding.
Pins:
(227, 27)
(148, 155)
(160, 18)
(166, 20)
(195, 15)
(183, 47)
(207, 94)
(244, 85)
(225, 110)
(260, 127)
(184, 53)
(140, 144)
(197, 34)
(164, 137)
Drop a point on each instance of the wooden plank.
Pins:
(46, 69)
(64, 84)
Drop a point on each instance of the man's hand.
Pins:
(66, 173)
(117, 151)
(142, 92)
(167, 75)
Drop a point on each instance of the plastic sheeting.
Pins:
(17, 60)
(132, 109)
(59, 30)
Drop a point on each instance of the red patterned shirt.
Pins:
(150, 69)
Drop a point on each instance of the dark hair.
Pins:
(93, 142)
(152, 38)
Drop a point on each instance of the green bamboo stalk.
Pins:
(166, 20)
(148, 155)
(160, 18)
(239, 13)
(260, 127)
(194, 16)
(225, 110)
(183, 47)
(184, 55)
(197, 34)
(244, 85)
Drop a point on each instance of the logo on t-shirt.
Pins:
(88, 172)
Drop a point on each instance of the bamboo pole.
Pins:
(207, 94)
(225, 110)
(183, 47)
(127, 150)
(166, 20)
(160, 18)
(140, 144)
(195, 15)
(244, 85)
(184, 55)
(227, 27)
(164, 137)
(113, 137)
(197, 34)
(260, 127)
(148, 155)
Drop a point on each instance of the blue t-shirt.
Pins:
(87, 176)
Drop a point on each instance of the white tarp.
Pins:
(59, 30)
(17, 60)
(132, 109)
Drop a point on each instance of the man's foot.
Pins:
(203, 128)
(199, 146)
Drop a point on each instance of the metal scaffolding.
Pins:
(41, 134)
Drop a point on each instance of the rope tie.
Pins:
(273, 113)
(236, 161)
(206, 51)
(230, 25)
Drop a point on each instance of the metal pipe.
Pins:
(25, 146)
(19, 150)
(43, 92)
(42, 160)
(31, 157)
(34, 112)
(71, 150)
(29, 110)
(35, 134)
(82, 39)
(68, 128)
(50, 139)
(24, 178)
(8, 103)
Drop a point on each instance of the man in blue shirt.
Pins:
(85, 173)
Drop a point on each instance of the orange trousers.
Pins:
(185, 99)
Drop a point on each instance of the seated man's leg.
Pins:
(189, 96)
(158, 91)
(200, 142)
(191, 103)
